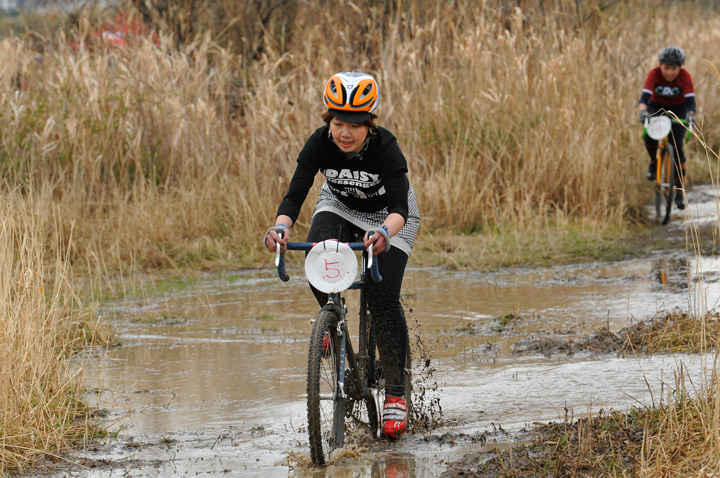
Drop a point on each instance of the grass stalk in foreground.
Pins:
(41, 328)
(675, 435)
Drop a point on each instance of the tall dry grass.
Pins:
(41, 328)
(163, 156)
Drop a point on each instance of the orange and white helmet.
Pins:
(352, 96)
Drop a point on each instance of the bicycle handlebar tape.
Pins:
(375, 272)
(281, 269)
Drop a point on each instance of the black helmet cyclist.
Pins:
(669, 88)
(672, 55)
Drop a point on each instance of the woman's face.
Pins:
(349, 137)
(669, 72)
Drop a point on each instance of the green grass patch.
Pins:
(494, 248)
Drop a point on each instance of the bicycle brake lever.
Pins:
(280, 262)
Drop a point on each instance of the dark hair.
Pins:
(672, 55)
(328, 116)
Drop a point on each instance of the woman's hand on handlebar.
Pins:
(278, 234)
(379, 238)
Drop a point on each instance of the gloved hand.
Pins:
(280, 229)
(691, 118)
(643, 116)
(382, 230)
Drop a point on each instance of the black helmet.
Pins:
(672, 55)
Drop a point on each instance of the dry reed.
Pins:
(683, 437)
(41, 327)
(161, 156)
(679, 434)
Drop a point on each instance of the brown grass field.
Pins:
(160, 155)
(157, 156)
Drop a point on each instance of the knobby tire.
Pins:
(325, 406)
(368, 349)
(408, 383)
(376, 377)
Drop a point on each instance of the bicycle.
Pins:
(666, 174)
(341, 384)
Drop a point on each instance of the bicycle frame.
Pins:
(663, 167)
(364, 391)
(358, 362)
(667, 164)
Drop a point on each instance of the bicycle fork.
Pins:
(664, 168)
(343, 350)
(337, 304)
(660, 164)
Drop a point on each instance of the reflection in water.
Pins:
(215, 379)
(212, 381)
(673, 272)
(662, 272)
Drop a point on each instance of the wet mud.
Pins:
(610, 436)
(210, 377)
(667, 332)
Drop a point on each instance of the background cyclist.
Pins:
(669, 86)
(366, 191)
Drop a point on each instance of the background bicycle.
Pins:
(667, 182)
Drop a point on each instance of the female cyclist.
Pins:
(366, 194)
(669, 87)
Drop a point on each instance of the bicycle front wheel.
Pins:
(325, 405)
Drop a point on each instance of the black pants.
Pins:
(388, 317)
(677, 134)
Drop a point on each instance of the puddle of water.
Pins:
(212, 380)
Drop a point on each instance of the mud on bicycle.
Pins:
(343, 383)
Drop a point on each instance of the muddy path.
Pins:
(210, 376)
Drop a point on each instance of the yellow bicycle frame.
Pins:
(663, 167)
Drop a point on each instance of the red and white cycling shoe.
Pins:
(394, 417)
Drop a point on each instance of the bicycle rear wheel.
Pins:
(408, 384)
(370, 412)
(325, 405)
(669, 175)
(377, 380)
(363, 408)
